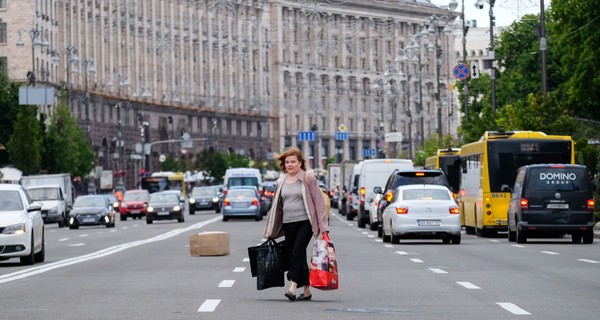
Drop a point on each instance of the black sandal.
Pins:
(290, 296)
(303, 297)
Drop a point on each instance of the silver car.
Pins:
(21, 226)
(422, 211)
(242, 202)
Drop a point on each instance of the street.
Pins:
(139, 271)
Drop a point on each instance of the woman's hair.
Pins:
(291, 151)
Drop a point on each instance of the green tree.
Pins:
(68, 147)
(211, 162)
(431, 146)
(545, 114)
(172, 164)
(9, 108)
(25, 142)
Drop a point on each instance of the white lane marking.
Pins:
(350, 224)
(364, 232)
(63, 239)
(378, 240)
(77, 244)
(125, 228)
(437, 270)
(246, 260)
(388, 245)
(239, 269)
(226, 283)
(549, 252)
(371, 236)
(468, 285)
(495, 240)
(415, 260)
(83, 235)
(588, 260)
(113, 230)
(209, 305)
(518, 246)
(512, 308)
(402, 253)
(39, 269)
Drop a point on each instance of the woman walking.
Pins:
(298, 212)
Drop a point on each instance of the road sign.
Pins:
(393, 136)
(369, 152)
(461, 71)
(307, 136)
(475, 69)
(341, 136)
(342, 127)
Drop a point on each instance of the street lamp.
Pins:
(88, 64)
(435, 32)
(452, 6)
(491, 54)
(120, 184)
(37, 40)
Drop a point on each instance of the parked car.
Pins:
(134, 204)
(21, 226)
(242, 202)
(402, 178)
(92, 210)
(422, 211)
(551, 200)
(164, 206)
(203, 198)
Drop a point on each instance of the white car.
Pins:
(21, 226)
(422, 211)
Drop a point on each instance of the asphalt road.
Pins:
(139, 271)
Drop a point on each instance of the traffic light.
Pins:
(142, 172)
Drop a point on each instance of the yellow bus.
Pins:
(488, 171)
(447, 160)
(165, 180)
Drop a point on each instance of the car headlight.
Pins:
(216, 199)
(115, 205)
(15, 229)
(150, 209)
(192, 200)
(176, 208)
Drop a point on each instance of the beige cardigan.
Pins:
(313, 202)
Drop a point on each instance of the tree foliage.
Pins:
(68, 148)
(9, 108)
(24, 144)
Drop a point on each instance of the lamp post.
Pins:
(543, 47)
(315, 166)
(452, 6)
(88, 64)
(491, 53)
(434, 30)
(37, 40)
(120, 184)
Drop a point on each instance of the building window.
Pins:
(3, 65)
(3, 4)
(3, 35)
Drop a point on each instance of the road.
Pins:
(139, 271)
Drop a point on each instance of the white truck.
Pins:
(54, 192)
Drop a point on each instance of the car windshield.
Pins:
(198, 192)
(163, 197)
(425, 194)
(40, 194)
(135, 196)
(89, 202)
(10, 201)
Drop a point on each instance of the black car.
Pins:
(551, 200)
(402, 178)
(204, 198)
(92, 210)
(164, 206)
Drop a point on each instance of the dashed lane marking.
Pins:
(63, 239)
(549, 252)
(83, 235)
(467, 285)
(518, 246)
(388, 245)
(239, 269)
(512, 308)
(402, 253)
(588, 260)
(226, 283)
(77, 244)
(246, 260)
(209, 305)
(415, 260)
(438, 270)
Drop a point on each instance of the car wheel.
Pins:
(361, 222)
(181, 219)
(394, 238)
(446, 240)
(576, 237)
(258, 218)
(61, 223)
(588, 236)
(225, 218)
(521, 236)
(149, 221)
(373, 226)
(123, 218)
(29, 259)
(379, 231)
(192, 212)
(512, 236)
(73, 226)
(41, 256)
(456, 239)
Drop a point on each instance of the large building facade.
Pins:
(244, 76)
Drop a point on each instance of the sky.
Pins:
(505, 11)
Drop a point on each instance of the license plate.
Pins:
(163, 213)
(557, 206)
(428, 222)
(89, 220)
(135, 212)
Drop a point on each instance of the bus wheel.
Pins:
(469, 230)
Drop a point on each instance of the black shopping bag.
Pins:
(253, 255)
(269, 263)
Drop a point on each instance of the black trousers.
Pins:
(297, 238)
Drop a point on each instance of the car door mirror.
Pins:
(34, 207)
(383, 203)
(377, 190)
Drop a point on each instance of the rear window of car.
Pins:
(420, 177)
(240, 194)
(425, 194)
(558, 179)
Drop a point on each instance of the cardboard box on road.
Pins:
(209, 243)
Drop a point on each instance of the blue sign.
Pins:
(307, 136)
(341, 136)
(461, 71)
(369, 152)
